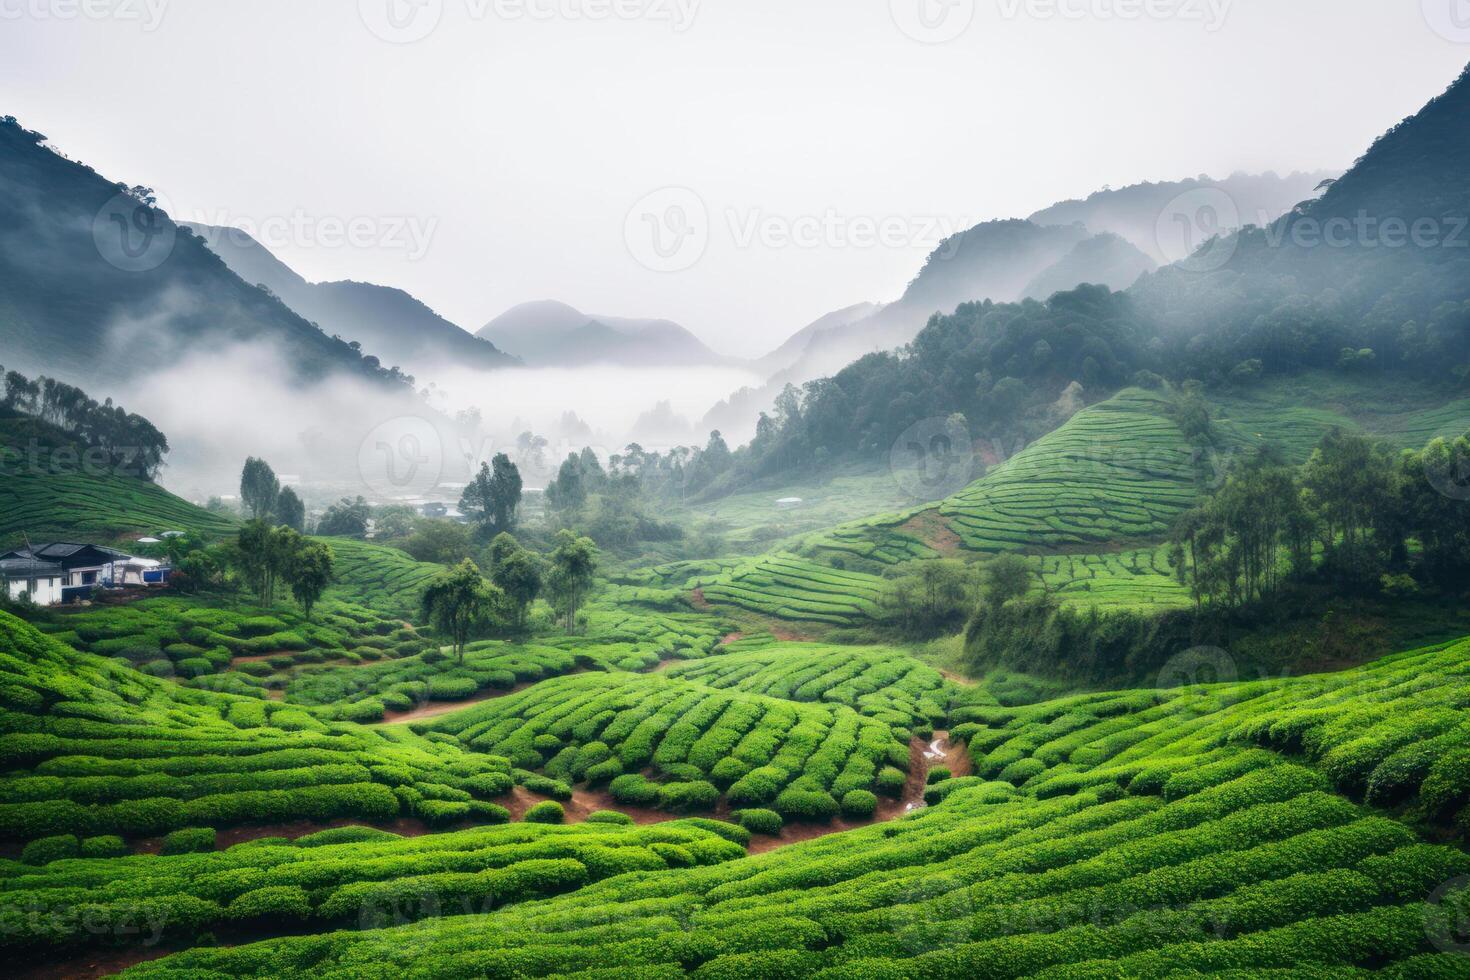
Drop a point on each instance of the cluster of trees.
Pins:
(264, 499)
(129, 443)
(612, 504)
(464, 604)
(1356, 516)
(269, 557)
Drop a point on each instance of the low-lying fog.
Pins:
(346, 436)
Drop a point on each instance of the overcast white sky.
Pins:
(497, 159)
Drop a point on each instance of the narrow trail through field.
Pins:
(434, 709)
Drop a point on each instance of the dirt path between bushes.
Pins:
(435, 709)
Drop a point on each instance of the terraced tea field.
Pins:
(802, 760)
(1121, 834)
(92, 747)
(1119, 470)
(878, 682)
(192, 638)
(382, 579)
(787, 587)
(353, 877)
(102, 509)
(1141, 579)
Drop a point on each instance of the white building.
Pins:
(40, 579)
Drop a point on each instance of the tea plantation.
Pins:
(701, 744)
(383, 579)
(788, 587)
(1116, 471)
(1212, 829)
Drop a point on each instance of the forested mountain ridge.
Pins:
(387, 322)
(98, 282)
(1260, 302)
(1132, 212)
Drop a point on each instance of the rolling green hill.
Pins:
(48, 491)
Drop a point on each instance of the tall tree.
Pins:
(309, 571)
(491, 498)
(289, 510)
(265, 553)
(460, 602)
(573, 567)
(259, 488)
(517, 572)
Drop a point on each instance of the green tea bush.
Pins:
(859, 804)
(188, 840)
(47, 849)
(547, 811)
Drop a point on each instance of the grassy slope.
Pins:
(52, 500)
(383, 579)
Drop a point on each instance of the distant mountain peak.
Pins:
(550, 333)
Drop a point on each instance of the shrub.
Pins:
(697, 795)
(345, 835)
(634, 788)
(279, 904)
(859, 804)
(188, 840)
(759, 821)
(891, 781)
(610, 816)
(547, 811)
(105, 847)
(442, 812)
(937, 774)
(489, 812)
(800, 804)
(47, 849)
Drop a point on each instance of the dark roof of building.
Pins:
(28, 568)
(68, 553)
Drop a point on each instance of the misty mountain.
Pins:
(994, 260)
(1378, 267)
(1133, 212)
(1341, 288)
(1106, 260)
(387, 322)
(96, 283)
(547, 333)
(790, 352)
